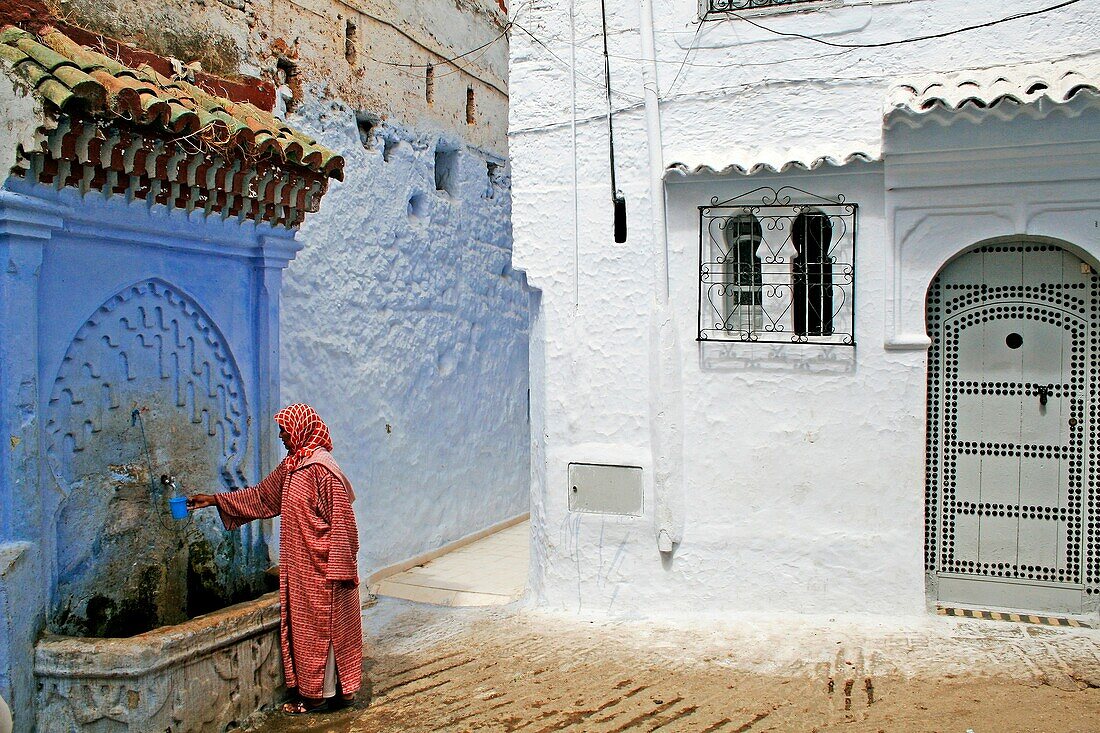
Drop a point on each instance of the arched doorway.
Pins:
(1011, 412)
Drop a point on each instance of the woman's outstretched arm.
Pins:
(242, 506)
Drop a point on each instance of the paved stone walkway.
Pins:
(509, 669)
(489, 572)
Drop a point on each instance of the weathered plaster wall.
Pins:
(370, 53)
(405, 326)
(23, 597)
(110, 306)
(20, 115)
(19, 591)
(795, 474)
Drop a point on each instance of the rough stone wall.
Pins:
(406, 328)
(370, 53)
(206, 675)
(800, 471)
(18, 629)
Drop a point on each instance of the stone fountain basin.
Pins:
(200, 676)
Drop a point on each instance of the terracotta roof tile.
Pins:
(81, 81)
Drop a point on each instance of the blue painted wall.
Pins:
(107, 307)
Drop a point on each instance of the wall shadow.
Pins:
(732, 356)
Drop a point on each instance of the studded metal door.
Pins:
(1011, 405)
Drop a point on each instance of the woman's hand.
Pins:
(198, 501)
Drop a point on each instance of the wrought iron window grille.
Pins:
(778, 266)
(711, 7)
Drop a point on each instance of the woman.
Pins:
(321, 629)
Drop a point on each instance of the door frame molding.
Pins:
(949, 187)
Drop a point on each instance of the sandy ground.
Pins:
(514, 669)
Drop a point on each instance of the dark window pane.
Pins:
(812, 275)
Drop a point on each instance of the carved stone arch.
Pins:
(150, 341)
(147, 386)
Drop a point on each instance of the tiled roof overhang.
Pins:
(132, 131)
(1035, 89)
(748, 169)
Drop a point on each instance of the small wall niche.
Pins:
(429, 84)
(350, 40)
(493, 172)
(367, 124)
(290, 77)
(418, 207)
(287, 66)
(446, 170)
(471, 106)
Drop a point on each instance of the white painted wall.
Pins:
(405, 326)
(20, 116)
(793, 477)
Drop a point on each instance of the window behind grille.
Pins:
(812, 274)
(777, 266)
(742, 274)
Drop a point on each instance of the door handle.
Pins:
(1044, 393)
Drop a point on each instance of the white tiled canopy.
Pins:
(1058, 82)
(749, 168)
(1034, 88)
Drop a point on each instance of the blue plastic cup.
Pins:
(179, 507)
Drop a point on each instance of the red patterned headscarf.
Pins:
(307, 430)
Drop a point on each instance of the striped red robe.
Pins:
(318, 542)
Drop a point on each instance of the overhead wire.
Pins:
(444, 60)
(452, 59)
(687, 55)
(916, 39)
(694, 64)
(737, 88)
(847, 47)
(513, 22)
(584, 77)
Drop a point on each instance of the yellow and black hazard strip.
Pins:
(1023, 618)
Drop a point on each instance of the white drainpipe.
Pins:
(665, 377)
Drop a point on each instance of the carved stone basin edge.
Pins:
(169, 646)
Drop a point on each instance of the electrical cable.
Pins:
(726, 90)
(607, 76)
(617, 198)
(576, 167)
(916, 39)
(848, 47)
(444, 59)
(691, 49)
(580, 120)
(584, 77)
(452, 59)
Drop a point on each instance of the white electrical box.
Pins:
(603, 489)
